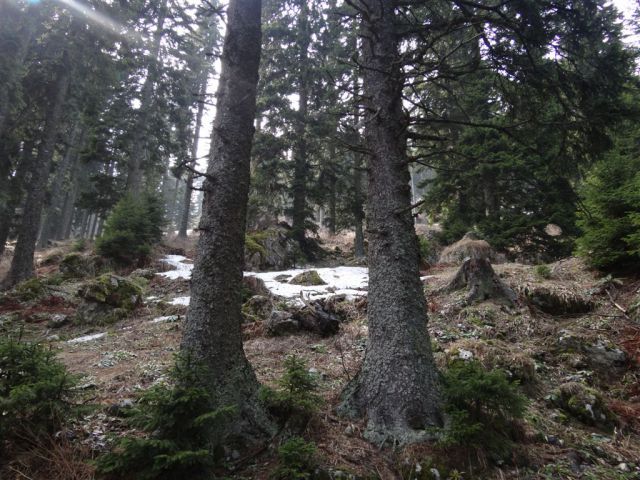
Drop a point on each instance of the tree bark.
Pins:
(22, 263)
(212, 332)
(15, 193)
(301, 167)
(396, 389)
(53, 216)
(139, 153)
(186, 202)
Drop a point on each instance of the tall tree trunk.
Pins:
(139, 150)
(212, 332)
(301, 166)
(22, 263)
(357, 207)
(15, 193)
(396, 389)
(53, 216)
(186, 202)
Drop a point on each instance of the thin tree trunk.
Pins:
(396, 389)
(212, 333)
(301, 167)
(15, 193)
(53, 216)
(22, 263)
(186, 202)
(358, 212)
(139, 143)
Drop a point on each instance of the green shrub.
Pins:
(426, 249)
(296, 460)
(31, 289)
(35, 390)
(182, 431)
(131, 229)
(482, 407)
(610, 219)
(542, 271)
(296, 397)
(80, 245)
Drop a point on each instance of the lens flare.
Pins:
(100, 20)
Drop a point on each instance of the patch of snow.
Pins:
(87, 338)
(180, 301)
(181, 269)
(168, 318)
(350, 281)
(465, 355)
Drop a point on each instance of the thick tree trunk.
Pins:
(186, 202)
(212, 333)
(301, 167)
(22, 263)
(396, 389)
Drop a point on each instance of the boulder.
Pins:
(254, 286)
(308, 278)
(113, 290)
(606, 359)
(271, 249)
(584, 404)
(314, 318)
(281, 323)
(107, 299)
(58, 320)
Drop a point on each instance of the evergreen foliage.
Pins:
(610, 217)
(296, 395)
(132, 228)
(482, 407)
(296, 460)
(35, 390)
(181, 429)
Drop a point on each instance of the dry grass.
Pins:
(466, 248)
(49, 458)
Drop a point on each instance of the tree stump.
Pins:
(477, 275)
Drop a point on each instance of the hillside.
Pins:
(567, 343)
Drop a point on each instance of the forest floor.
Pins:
(598, 348)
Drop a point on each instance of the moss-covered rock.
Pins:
(584, 404)
(113, 290)
(308, 278)
(270, 249)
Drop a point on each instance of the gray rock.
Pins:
(259, 306)
(281, 323)
(58, 320)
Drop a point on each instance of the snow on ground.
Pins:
(350, 281)
(180, 301)
(87, 338)
(181, 269)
